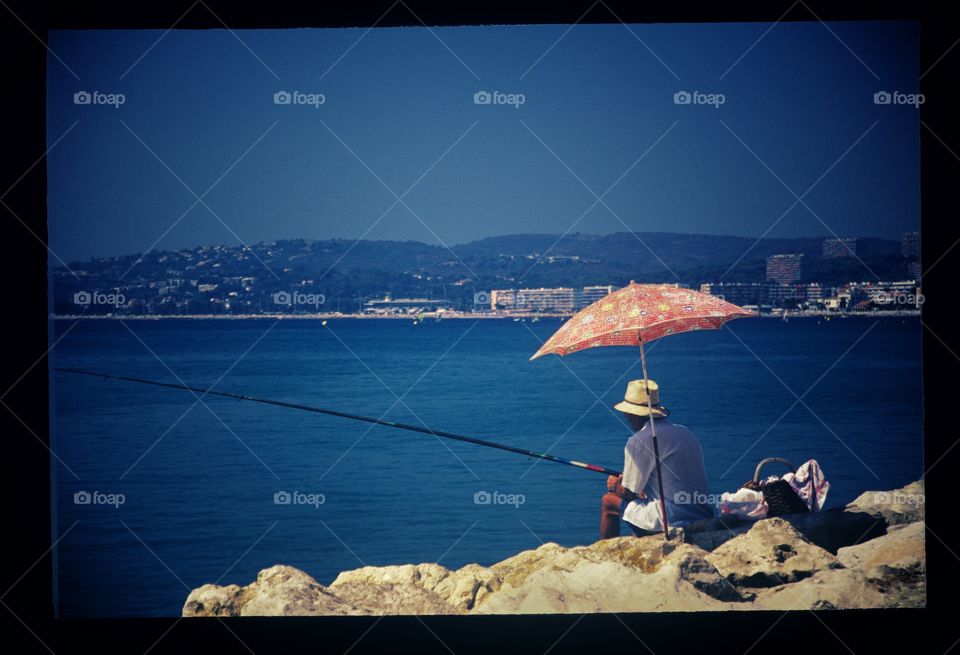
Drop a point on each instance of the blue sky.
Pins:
(198, 111)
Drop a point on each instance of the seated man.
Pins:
(634, 494)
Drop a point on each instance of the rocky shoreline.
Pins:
(868, 554)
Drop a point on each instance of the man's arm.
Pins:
(615, 485)
(637, 466)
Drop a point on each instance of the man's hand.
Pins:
(615, 484)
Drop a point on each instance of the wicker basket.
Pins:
(780, 496)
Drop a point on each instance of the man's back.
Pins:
(681, 463)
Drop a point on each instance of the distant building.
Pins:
(786, 295)
(815, 292)
(867, 296)
(913, 270)
(592, 294)
(892, 294)
(835, 303)
(834, 248)
(910, 245)
(403, 305)
(561, 300)
(503, 299)
(738, 293)
(785, 269)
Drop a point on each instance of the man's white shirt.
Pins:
(684, 477)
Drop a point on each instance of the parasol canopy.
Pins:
(640, 313)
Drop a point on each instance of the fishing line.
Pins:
(355, 417)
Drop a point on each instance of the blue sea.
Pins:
(182, 493)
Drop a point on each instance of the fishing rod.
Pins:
(355, 417)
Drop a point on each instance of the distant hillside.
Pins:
(640, 251)
(348, 270)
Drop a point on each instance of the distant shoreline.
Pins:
(447, 316)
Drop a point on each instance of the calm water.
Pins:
(199, 482)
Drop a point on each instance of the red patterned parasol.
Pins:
(638, 314)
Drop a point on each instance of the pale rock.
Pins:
(391, 599)
(616, 575)
(888, 571)
(458, 589)
(903, 505)
(771, 553)
(214, 600)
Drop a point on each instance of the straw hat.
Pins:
(635, 400)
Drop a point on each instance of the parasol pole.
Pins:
(653, 434)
